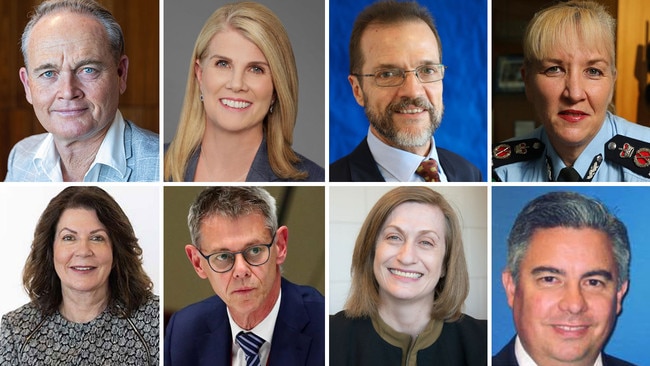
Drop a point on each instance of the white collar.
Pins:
(524, 359)
(397, 165)
(264, 330)
(110, 153)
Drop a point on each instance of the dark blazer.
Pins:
(360, 166)
(506, 357)
(260, 170)
(200, 333)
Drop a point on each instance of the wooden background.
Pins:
(140, 24)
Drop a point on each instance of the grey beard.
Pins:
(383, 123)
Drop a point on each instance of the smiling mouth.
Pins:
(235, 103)
(410, 111)
(397, 272)
(83, 268)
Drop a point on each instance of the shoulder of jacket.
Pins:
(514, 151)
(630, 153)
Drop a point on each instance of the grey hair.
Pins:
(569, 210)
(231, 202)
(86, 7)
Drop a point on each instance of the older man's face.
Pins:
(566, 300)
(402, 116)
(71, 78)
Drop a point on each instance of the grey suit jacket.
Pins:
(141, 148)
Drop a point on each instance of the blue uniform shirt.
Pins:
(620, 152)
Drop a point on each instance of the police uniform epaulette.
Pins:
(631, 153)
(515, 151)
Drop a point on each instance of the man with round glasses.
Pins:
(396, 75)
(257, 317)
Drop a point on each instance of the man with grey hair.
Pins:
(75, 70)
(256, 315)
(566, 275)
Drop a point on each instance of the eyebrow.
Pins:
(215, 56)
(590, 62)
(597, 272)
(75, 232)
(393, 66)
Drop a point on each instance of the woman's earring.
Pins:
(271, 108)
(201, 97)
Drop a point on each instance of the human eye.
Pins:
(98, 238)
(429, 70)
(548, 280)
(553, 71)
(222, 256)
(48, 74)
(255, 69)
(222, 63)
(594, 73)
(255, 250)
(67, 237)
(388, 73)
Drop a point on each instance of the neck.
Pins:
(406, 317)
(83, 307)
(250, 320)
(226, 156)
(77, 155)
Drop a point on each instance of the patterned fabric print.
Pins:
(105, 340)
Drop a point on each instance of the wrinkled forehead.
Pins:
(551, 36)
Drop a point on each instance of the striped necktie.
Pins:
(250, 343)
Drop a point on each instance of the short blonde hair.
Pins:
(564, 24)
(452, 289)
(263, 28)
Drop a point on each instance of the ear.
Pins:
(357, 91)
(24, 78)
(523, 77)
(122, 72)
(619, 297)
(281, 241)
(195, 258)
(509, 285)
(198, 73)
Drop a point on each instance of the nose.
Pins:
(574, 88)
(241, 268)
(236, 82)
(69, 86)
(573, 300)
(406, 254)
(83, 248)
(412, 87)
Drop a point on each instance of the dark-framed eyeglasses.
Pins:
(255, 255)
(396, 76)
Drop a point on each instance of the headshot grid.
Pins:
(324, 182)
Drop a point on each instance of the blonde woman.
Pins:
(240, 104)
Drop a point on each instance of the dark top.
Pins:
(360, 166)
(200, 333)
(506, 357)
(356, 342)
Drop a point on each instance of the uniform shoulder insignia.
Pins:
(631, 153)
(515, 151)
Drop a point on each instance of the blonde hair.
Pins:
(564, 24)
(452, 289)
(263, 28)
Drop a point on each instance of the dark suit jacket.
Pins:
(506, 357)
(360, 166)
(200, 333)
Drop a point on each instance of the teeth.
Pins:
(570, 329)
(83, 268)
(235, 104)
(405, 274)
(411, 111)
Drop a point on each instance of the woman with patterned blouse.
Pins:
(91, 300)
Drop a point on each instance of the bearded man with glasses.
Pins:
(390, 41)
(257, 317)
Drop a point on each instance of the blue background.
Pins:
(629, 341)
(463, 34)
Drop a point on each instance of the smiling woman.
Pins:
(87, 287)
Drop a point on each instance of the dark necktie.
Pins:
(569, 174)
(250, 344)
(428, 169)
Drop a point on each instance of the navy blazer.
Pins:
(506, 357)
(360, 166)
(200, 333)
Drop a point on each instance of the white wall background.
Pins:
(21, 206)
(348, 208)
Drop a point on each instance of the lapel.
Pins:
(363, 167)
(214, 347)
(290, 346)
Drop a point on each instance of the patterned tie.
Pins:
(250, 343)
(428, 170)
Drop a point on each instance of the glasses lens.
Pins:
(389, 77)
(222, 262)
(430, 73)
(257, 255)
